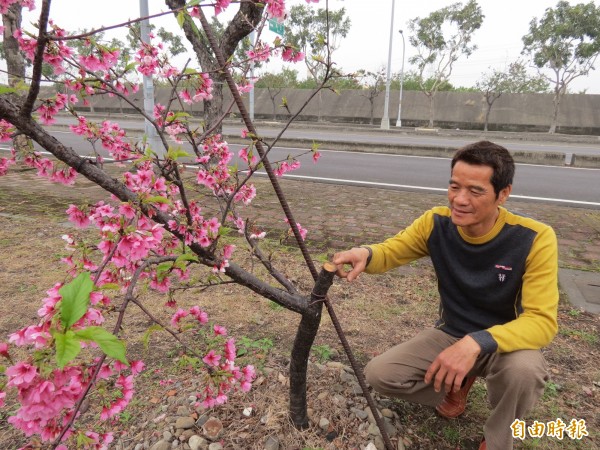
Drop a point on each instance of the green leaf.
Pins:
(176, 153)
(181, 18)
(162, 269)
(224, 231)
(7, 90)
(107, 342)
(110, 287)
(130, 66)
(75, 299)
(67, 347)
(186, 257)
(177, 115)
(156, 199)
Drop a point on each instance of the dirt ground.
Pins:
(375, 312)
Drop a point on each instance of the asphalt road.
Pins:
(561, 185)
(556, 184)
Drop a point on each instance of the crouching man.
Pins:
(497, 279)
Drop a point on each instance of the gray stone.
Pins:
(347, 377)
(272, 443)
(362, 415)
(185, 423)
(390, 429)
(183, 411)
(324, 424)
(197, 442)
(370, 415)
(161, 445)
(167, 436)
(215, 446)
(374, 430)
(175, 444)
(339, 399)
(186, 434)
(356, 389)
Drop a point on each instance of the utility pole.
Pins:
(385, 120)
(251, 94)
(148, 87)
(399, 120)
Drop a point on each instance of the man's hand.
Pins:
(452, 365)
(356, 257)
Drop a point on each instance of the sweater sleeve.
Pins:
(408, 245)
(537, 325)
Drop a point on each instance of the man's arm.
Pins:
(537, 325)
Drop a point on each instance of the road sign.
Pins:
(276, 27)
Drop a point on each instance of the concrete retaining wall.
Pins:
(579, 113)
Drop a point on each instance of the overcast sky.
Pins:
(366, 47)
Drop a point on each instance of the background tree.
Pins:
(513, 80)
(566, 42)
(373, 85)
(413, 82)
(317, 34)
(274, 83)
(441, 39)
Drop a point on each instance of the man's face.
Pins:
(472, 199)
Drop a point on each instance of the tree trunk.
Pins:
(487, 116)
(213, 109)
(319, 117)
(305, 336)
(15, 63)
(430, 110)
(556, 101)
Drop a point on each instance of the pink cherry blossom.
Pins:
(219, 330)
(175, 318)
(21, 374)
(4, 350)
(211, 358)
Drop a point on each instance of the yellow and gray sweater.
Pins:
(501, 288)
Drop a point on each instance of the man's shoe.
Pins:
(483, 445)
(454, 403)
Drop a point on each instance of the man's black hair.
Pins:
(486, 153)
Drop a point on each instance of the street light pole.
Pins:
(399, 120)
(148, 87)
(385, 120)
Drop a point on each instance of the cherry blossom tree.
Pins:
(155, 229)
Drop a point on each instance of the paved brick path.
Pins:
(336, 216)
